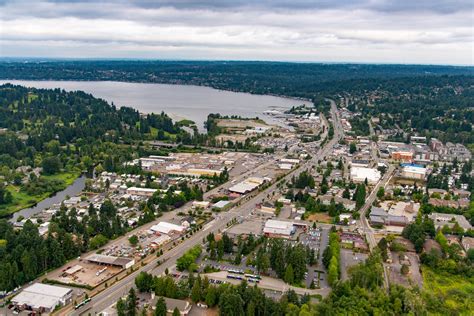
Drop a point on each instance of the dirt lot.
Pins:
(320, 217)
(240, 123)
(233, 138)
(87, 275)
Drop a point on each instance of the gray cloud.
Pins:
(372, 30)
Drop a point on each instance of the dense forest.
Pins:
(440, 107)
(290, 79)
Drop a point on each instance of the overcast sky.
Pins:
(403, 31)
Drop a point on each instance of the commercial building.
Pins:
(220, 204)
(267, 207)
(161, 240)
(411, 171)
(167, 228)
(190, 164)
(121, 262)
(42, 297)
(279, 229)
(141, 191)
(285, 166)
(360, 163)
(197, 172)
(359, 174)
(247, 186)
(379, 216)
(405, 156)
(290, 161)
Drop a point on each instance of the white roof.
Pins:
(221, 204)
(278, 227)
(41, 295)
(289, 160)
(278, 224)
(361, 173)
(414, 169)
(166, 228)
(141, 189)
(161, 239)
(35, 300)
(243, 187)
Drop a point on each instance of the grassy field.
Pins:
(319, 217)
(448, 294)
(154, 133)
(23, 200)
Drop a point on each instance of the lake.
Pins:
(178, 101)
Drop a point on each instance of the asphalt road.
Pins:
(364, 223)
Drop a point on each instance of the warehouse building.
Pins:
(121, 262)
(247, 186)
(167, 228)
(359, 174)
(42, 298)
(278, 229)
(412, 171)
(141, 191)
(161, 240)
(219, 205)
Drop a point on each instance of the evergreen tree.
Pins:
(160, 307)
(289, 275)
(131, 304)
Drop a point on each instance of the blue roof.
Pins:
(411, 165)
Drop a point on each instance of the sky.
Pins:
(375, 31)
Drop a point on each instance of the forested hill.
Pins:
(291, 79)
(45, 115)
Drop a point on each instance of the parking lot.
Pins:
(350, 258)
(414, 276)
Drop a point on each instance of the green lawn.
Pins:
(154, 133)
(23, 200)
(67, 177)
(448, 294)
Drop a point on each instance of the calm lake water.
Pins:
(178, 101)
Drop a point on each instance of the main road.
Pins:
(110, 295)
(363, 223)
